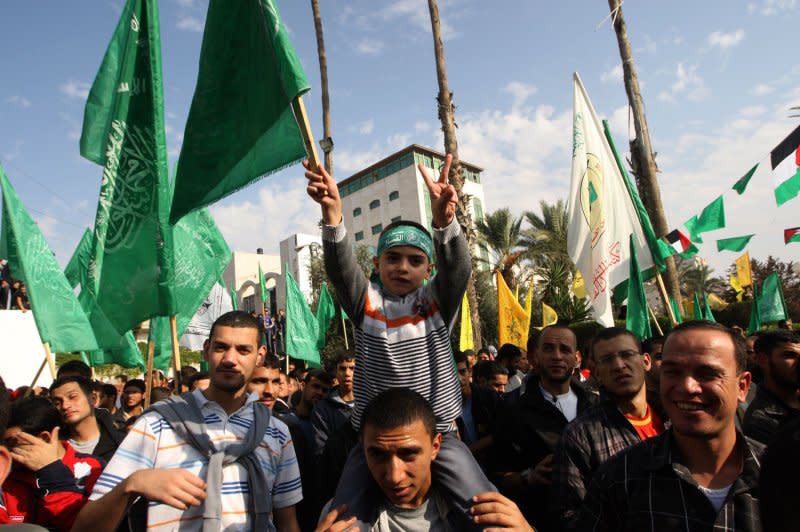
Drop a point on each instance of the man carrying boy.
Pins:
(402, 327)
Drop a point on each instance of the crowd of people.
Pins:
(13, 292)
(698, 430)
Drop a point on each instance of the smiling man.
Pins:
(208, 460)
(623, 418)
(701, 474)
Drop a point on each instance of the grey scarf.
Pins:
(184, 416)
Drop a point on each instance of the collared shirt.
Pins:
(151, 443)
(647, 487)
(765, 415)
(587, 443)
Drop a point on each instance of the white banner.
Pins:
(21, 353)
(216, 304)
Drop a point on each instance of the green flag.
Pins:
(691, 227)
(130, 268)
(676, 310)
(302, 330)
(637, 319)
(712, 217)
(78, 264)
(58, 315)
(741, 184)
(755, 315)
(771, 305)
(241, 126)
(262, 283)
(326, 311)
(707, 314)
(114, 348)
(736, 243)
(203, 256)
(697, 311)
(234, 302)
(657, 250)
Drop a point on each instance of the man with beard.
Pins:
(701, 473)
(216, 457)
(526, 437)
(776, 402)
(623, 418)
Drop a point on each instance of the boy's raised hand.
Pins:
(443, 195)
(322, 189)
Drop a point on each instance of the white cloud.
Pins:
(48, 226)
(190, 23)
(726, 40)
(14, 153)
(366, 127)
(20, 101)
(78, 90)
(368, 46)
(187, 3)
(688, 83)
(422, 126)
(753, 111)
(420, 17)
(770, 7)
(520, 92)
(621, 126)
(612, 76)
(761, 89)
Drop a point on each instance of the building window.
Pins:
(356, 212)
(396, 219)
(359, 236)
(477, 206)
(393, 195)
(374, 204)
(376, 229)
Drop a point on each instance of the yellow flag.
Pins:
(715, 302)
(465, 341)
(734, 282)
(511, 317)
(743, 270)
(528, 305)
(549, 316)
(578, 286)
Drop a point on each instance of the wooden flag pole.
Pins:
(176, 354)
(51, 362)
(665, 298)
(344, 333)
(36, 377)
(658, 325)
(305, 129)
(148, 381)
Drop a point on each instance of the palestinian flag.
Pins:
(681, 243)
(785, 161)
(791, 235)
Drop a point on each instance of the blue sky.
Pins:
(718, 78)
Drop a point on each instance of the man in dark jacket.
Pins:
(332, 412)
(527, 435)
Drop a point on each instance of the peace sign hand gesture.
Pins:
(443, 195)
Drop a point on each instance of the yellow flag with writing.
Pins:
(743, 270)
(511, 317)
(465, 341)
(549, 315)
(579, 286)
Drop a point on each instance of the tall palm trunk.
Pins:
(642, 157)
(446, 116)
(327, 141)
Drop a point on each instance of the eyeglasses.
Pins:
(625, 356)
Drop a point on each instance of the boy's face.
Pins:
(403, 269)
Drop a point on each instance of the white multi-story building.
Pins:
(241, 276)
(393, 189)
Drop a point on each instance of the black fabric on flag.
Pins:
(787, 147)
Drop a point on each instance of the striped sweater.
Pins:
(403, 341)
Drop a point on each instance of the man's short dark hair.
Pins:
(461, 358)
(343, 356)
(739, 344)
(768, 341)
(319, 374)
(84, 384)
(200, 375)
(5, 406)
(398, 407)
(139, 384)
(186, 372)
(108, 390)
(159, 393)
(122, 377)
(34, 415)
(612, 332)
(649, 344)
(75, 367)
(508, 352)
(272, 362)
(533, 340)
(487, 369)
(556, 326)
(237, 319)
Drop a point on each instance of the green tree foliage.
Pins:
(499, 235)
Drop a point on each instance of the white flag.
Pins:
(601, 212)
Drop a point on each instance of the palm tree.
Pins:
(547, 234)
(696, 276)
(327, 142)
(447, 117)
(499, 235)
